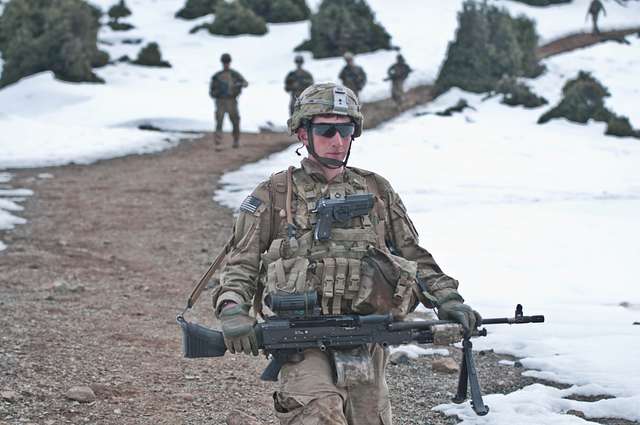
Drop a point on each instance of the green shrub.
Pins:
(197, 8)
(118, 11)
(621, 127)
(120, 26)
(583, 100)
(50, 35)
(234, 19)
(516, 93)
(279, 10)
(344, 25)
(489, 44)
(150, 55)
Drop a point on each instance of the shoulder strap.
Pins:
(197, 290)
(278, 186)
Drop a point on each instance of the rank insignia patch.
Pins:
(250, 204)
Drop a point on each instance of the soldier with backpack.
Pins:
(225, 87)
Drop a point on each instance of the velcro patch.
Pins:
(250, 204)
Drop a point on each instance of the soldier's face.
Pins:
(326, 144)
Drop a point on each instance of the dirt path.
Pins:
(581, 40)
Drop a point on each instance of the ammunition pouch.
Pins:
(386, 284)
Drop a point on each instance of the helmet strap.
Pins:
(325, 162)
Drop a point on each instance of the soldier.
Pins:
(225, 87)
(296, 81)
(397, 73)
(352, 75)
(274, 249)
(595, 8)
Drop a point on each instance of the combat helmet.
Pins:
(298, 59)
(321, 99)
(225, 58)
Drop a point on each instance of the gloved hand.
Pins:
(457, 311)
(237, 329)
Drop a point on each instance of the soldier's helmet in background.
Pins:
(299, 59)
(348, 56)
(225, 58)
(400, 58)
(326, 98)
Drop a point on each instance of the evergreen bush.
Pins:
(50, 35)
(150, 55)
(279, 10)
(621, 127)
(117, 11)
(344, 25)
(197, 8)
(583, 100)
(516, 93)
(489, 44)
(234, 19)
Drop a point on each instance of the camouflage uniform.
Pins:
(595, 8)
(295, 82)
(225, 87)
(397, 73)
(353, 77)
(266, 258)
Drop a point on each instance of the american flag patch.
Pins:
(250, 204)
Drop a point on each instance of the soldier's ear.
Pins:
(303, 136)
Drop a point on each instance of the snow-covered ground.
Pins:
(541, 215)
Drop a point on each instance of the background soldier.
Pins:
(397, 73)
(225, 87)
(296, 81)
(371, 264)
(352, 75)
(595, 8)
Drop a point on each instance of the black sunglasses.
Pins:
(329, 130)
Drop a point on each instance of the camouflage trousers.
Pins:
(229, 106)
(308, 395)
(397, 91)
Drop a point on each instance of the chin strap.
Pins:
(326, 162)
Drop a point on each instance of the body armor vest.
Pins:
(354, 271)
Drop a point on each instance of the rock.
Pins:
(10, 396)
(399, 357)
(236, 417)
(445, 365)
(517, 364)
(63, 287)
(101, 390)
(185, 396)
(82, 394)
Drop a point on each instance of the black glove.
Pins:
(237, 329)
(459, 312)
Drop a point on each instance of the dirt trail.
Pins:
(89, 289)
(581, 40)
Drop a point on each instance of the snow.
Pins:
(541, 215)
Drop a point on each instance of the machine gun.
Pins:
(341, 210)
(299, 325)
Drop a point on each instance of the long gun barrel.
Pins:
(301, 328)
